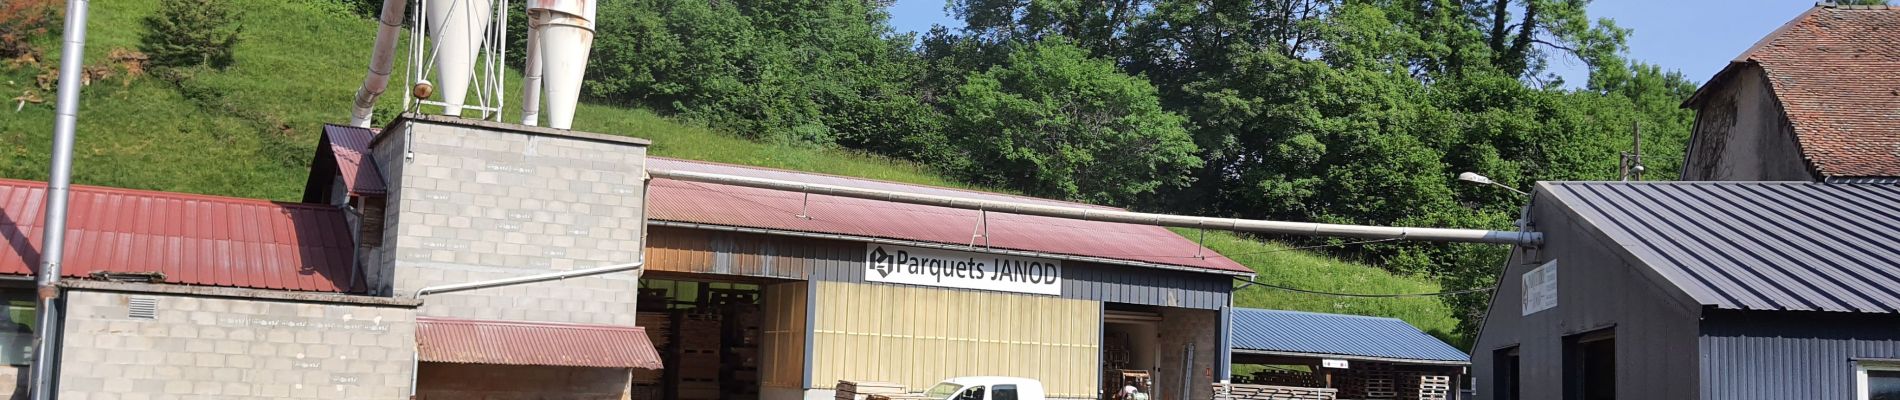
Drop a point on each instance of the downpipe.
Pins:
(58, 191)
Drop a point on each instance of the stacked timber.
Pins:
(863, 390)
(698, 367)
(1241, 391)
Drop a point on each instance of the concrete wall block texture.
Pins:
(259, 349)
(482, 203)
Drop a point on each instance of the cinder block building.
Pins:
(743, 293)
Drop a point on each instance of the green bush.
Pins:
(188, 33)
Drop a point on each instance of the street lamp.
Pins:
(1473, 177)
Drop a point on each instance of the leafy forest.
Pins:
(1342, 111)
(1306, 110)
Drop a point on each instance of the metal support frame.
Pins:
(490, 83)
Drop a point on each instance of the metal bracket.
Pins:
(804, 207)
(982, 229)
(1202, 242)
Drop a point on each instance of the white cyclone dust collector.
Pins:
(560, 34)
(459, 30)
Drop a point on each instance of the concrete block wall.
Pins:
(225, 348)
(1179, 327)
(477, 201)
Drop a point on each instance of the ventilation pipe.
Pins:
(564, 34)
(46, 340)
(382, 60)
(531, 83)
(1530, 239)
(457, 27)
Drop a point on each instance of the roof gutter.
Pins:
(521, 280)
(1529, 239)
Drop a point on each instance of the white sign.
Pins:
(1331, 363)
(961, 269)
(1540, 288)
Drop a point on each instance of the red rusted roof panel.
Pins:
(350, 145)
(534, 343)
(191, 239)
(1836, 72)
(681, 201)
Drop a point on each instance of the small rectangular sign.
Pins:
(1540, 288)
(961, 269)
(1334, 364)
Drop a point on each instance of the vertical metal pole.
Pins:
(1636, 154)
(58, 189)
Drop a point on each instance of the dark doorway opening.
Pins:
(1590, 365)
(1505, 372)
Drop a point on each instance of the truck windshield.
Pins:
(942, 390)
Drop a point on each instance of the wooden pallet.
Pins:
(1241, 391)
(860, 390)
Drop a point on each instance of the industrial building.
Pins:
(745, 293)
(1699, 290)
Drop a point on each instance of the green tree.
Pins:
(188, 33)
(1054, 122)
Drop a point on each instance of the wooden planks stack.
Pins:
(1241, 391)
(860, 390)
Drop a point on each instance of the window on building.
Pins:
(1590, 365)
(1877, 380)
(1504, 373)
(16, 325)
(1003, 392)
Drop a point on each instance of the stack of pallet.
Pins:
(862, 390)
(699, 357)
(1287, 378)
(1420, 386)
(1241, 391)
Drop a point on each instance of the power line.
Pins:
(1294, 289)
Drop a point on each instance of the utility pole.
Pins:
(1630, 164)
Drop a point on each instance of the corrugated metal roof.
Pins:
(1755, 245)
(534, 343)
(350, 145)
(1345, 336)
(191, 239)
(772, 209)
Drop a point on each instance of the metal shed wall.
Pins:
(677, 249)
(1791, 355)
(1598, 287)
(917, 336)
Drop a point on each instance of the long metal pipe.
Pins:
(58, 190)
(531, 78)
(381, 61)
(555, 276)
(1094, 214)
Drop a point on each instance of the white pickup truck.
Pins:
(986, 388)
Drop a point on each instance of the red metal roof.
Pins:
(191, 239)
(534, 343)
(1836, 72)
(712, 204)
(350, 146)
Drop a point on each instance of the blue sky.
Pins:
(1697, 37)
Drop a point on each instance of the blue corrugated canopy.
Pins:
(1295, 333)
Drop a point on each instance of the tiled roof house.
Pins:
(1817, 100)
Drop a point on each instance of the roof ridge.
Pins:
(159, 193)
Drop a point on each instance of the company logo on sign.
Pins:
(960, 269)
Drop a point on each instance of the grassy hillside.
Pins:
(250, 131)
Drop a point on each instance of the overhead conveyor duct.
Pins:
(1530, 239)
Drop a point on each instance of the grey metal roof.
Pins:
(1755, 245)
(1342, 336)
